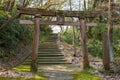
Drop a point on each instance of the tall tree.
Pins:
(85, 5)
(107, 9)
(74, 36)
(110, 30)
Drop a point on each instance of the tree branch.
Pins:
(10, 6)
(9, 20)
(25, 3)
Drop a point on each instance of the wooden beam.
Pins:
(81, 14)
(67, 23)
(115, 3)
(84, 47)
(91, 24)
(116, 26)
(35, 45)
(26, 22)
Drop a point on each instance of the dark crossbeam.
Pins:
(80, 14)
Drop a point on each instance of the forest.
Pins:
(88, 52)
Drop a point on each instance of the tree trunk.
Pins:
(74, 40)
(41, 2)
(10, 5)
(106, 56)
(74, 36)
(35, 45)
(84, 48)
(85, 5)
(110, 32)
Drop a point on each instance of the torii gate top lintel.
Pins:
(60, 15)
(65, 13)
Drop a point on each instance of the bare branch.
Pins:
(25, 3)
(9, 8)
(11, 4)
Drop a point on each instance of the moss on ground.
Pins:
(24, 69)
(86, 75)
(20, 78)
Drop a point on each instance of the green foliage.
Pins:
(96, 32)
(23, 78)
(116, 42)
(23, 68)
(85, 75)
(12, 36)
(4, 13)
(93, 38)
(68, 36)
(45, 31)
(95, 48)
(116, 48)
(15, 34)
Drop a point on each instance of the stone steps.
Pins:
(49, 53)
(47, 63)
(49, 50)
(46, 52)
(47, 60)
(48, 46)
(53, 57)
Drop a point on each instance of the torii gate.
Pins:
(60, 20)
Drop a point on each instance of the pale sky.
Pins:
(57, 29)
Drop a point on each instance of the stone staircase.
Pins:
(49, 53)
(51, 62)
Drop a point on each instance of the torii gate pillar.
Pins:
(85, 60)
(34, 64)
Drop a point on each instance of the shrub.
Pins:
(13, 35)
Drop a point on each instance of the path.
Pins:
(58, 72)
(51, 61)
